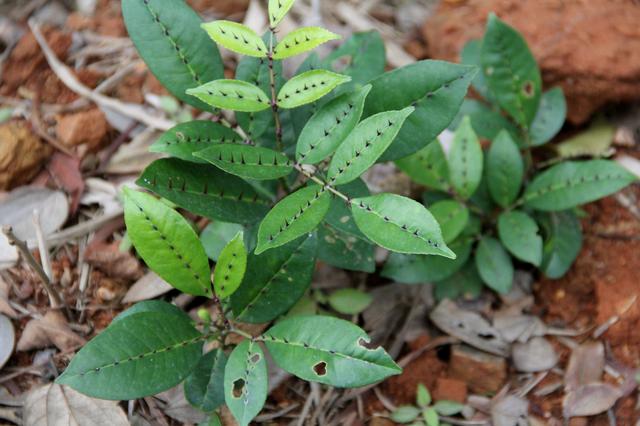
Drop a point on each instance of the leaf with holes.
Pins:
(246, 161)
(139, 355)
(505, 169)
(204, 388)
(549, 118)
(293, 216)
(275, 281)
(511, 71)
(236, 95)
(399, 224)
(562, 244)
(205, 190)
(329, 126)
(364, 145)
(452, 216)
(519, 234)
(184, 139)
(494, 265)
(236, 37)
(230, 267)
(302, 40)
(344, 250)
(245, 381)
(465, 160)
(168, 37)
(435, 88)
(308, 87)
(278, 10)
(573, 183)
(167, 243)
(427, 167)
(328, 350)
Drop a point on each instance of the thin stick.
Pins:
(42, 246)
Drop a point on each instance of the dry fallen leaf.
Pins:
(148, 287)
(7, 339)
(50, 329)
(112, 261)
(535, 355)
(5, 307)
(590, 399)
(510, 411)
(585, 366)
(177, 407)
(519, 327)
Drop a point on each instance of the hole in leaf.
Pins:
(238, 388)
(320, 368)
(527, 88)
(367, 345)
(254, 358)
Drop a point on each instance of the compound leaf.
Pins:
(452, 216)
(236, 37)
(167, 243)
(427, 167)
(308, 87)
(465, 160)
(328, 350)
(572, 183)
(519, 234)
(364, 145)
(245, 381)
(246, 161)
(139, 355)
(204, 388)
(168, 37)
(236, 95)
(399, 224)
(549, 118)
(302, 40)
(230, 268)
(505, 169)
(293, 216)
(278, 9)
(494, 265)
(562, 244)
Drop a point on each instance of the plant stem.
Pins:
(241, 333)
(274, 100)
(322, 183)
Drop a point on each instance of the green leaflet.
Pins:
(236, 37)
(167, 243)
(511, 71)
(519, 234)
(505, 170)
(204, 388)
(308, 87)
(494, 265)
(465, 282)
(246, 161)
(139, 355)
(216, 235)
(452, 216)
(302, 40)
(349, 301)
(405, 414)
(486, 122)
(184, 139)
(230, 267)
(364, 145)
(572, 183)
(465, 160)
(213, 420)
(245, 381)
(435, 88)
(293, 216)
(470, 55)
(328, 350)
(427, 167)
(562, 244)
(236, 95)
(549, 118)
(344, 250)
(205, 190)
(399, 224)
(277, 10)
(275, 281)
(329, 126)
(168, 37)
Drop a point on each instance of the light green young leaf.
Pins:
(430, 416)
(494, 265)
(230, 268)
(236, 95)
(364, 145)
(328, 350)
(236, 37)
(302, 40)
(405, 414)
(572, 183)
(505, 170)
(448, 408)
(184, 139)
(563, 242)
(465, 160)
(329, 126)
(423, 397)
(204, 388)
(349, 301)
(278, 10)
(511, 71)
(293, 216)
(247, 161)
(216, 235)
(519, 234)
(427, 167)
(594, 142)
(245, 381)
(167, 243)
(399, 224)
(452, 216)
(308, 87)
(549, 118)
(139, 355)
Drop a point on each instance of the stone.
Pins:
(84, 127)
(482, 372)
(21, 154)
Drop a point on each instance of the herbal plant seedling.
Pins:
(497, 207)
(283, 190)
(424, 413)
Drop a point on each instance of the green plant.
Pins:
(498, 205)
(424, 413)
(304, 142)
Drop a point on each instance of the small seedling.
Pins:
(424, 413)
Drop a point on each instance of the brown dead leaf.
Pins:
(148, 287)
(50, 329)
(510, 411)
(590, 399)
(177, 407)
(585, 366)
(66, 172)
(113, 262)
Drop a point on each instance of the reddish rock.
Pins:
(85, 127)
(450, 390)
(21, 154)
(590, 48)
(482, 372)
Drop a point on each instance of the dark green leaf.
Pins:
(236, 37)
(340, 216)
(249, 162)
(236, 95)
(245, 381)
(349, 301)
(216, 235)
(308, 87)
(465, 282)
(427, 167)
(465, 160)
(452, 216)
(494, 265)
(204, 388)
(302, 40)
(549, 118)
(519, 234)
(345, 250)
(562, 244)
(505, 170)
(486, 122)
(470, 55)
(152, 306)
(230, 268)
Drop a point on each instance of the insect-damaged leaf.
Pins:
(308, 87)
(465, 160)
(494, 265)
(519, 234)
(236, 95)
(246, 161)
(236, 37)
(427, 167)
(301, 40)
(245, 381)
(204, 388)
(278, 10)
(167, 243)
(328, 350)
(505, 169)
(230, 268)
